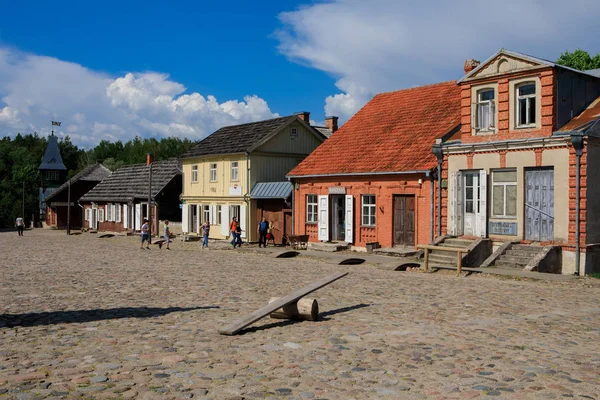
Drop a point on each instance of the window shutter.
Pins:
(460, 208)
(492, 114)
(483, 203)
(185, 222)
(243, 221)
(349, 219)
(113, 212)
(125, 216)
(323, 219)
(118, 213)
(225, 220)
(451, 228)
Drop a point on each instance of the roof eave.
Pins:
(426, 172)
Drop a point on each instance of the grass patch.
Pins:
(595, 275)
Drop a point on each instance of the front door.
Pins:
(470, 202)
(338, 217)
(539, 204)
(404, 220)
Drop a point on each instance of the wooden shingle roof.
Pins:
(94, 173)
(236, 138)
(131, 182)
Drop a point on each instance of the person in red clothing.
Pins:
(233, 231)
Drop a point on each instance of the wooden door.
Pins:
(404, 220)
(539, 204)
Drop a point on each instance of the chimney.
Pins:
(470, 65)
(331, 123)
(149, 159)
(304, 116)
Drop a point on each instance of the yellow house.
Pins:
(220, 171)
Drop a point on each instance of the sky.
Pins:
(114, 70)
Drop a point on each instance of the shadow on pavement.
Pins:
(323, 316)
(79, 316)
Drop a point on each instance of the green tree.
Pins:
(579, 59)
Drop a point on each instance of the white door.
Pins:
(482, 214)
(94, 218)
(323, 222)
(88, 213)
(473, 207)
(125, 216)
(243, 221)
(185, 223)
(349, 219)
(225, 220)
(138, 217)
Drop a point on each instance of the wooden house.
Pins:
(120, 202)
(221, 171)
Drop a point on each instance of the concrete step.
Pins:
(330, 247)
(522, 253)
(436, 259)
(507, 264)
(455, 242)
(525, 247)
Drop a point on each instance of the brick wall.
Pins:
(384, 190)
(504, 130)
(573, 198)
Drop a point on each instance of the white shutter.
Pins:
(224, 220)
(185, 219)
(125, 217)
(482, 217)
(119, 211)
(213, 214)
(94, 218)
(323, 222)
(243, 221)
(87, 214)
(451, 228)
(349, 220)
(138, 217)
(108, 216)
(89, 217)
(199, 218)
(460, 208)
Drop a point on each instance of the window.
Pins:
(234, 170)
(219, 215)
(213, 172)
(108, 212)
(311, 209)
(194, 173)
(526, 105)
(485, 110)
(52, 175)
(205, 213)
(234, 211)
(118, 212)
(293, 133)
(504, 193)
(368, 210)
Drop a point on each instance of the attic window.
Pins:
(52, 175)
(294, 133)
(526, 105)
(484, 111)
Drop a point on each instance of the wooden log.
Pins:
(426, 260)
(458, 263)
(303, 309)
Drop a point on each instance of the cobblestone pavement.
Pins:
(84, 317)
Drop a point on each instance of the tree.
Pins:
(579, 59)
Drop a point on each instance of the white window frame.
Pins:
(118, 212)
(219, 215)
(108, 212)
(205, 213)
(213, 172)
(527, 99)
(100, 215)
(234, 171)
(504, 185)
(491, 104)
(368, 210)
(312, 209)
(195, 173)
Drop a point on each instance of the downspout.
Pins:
(439, 154)
(293, 206)
(577, 141)
(431, 208)
(247, 197)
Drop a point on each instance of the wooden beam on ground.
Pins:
(262, 312)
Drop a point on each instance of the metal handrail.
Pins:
(540, 211)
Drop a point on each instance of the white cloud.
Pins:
(93, 105)
(383, 45)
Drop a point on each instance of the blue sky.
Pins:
(113, 70)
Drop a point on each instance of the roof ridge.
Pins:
(251, 123)
(419, 87)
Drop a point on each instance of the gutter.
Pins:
(577, 142)
(426, 172)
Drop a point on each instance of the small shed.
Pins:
(273, 200)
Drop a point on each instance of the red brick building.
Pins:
(373, 179)
(511, 175)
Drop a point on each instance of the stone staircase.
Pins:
(446, 258)
(517, 256)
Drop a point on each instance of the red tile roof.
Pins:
(393, 132)
(589, 115)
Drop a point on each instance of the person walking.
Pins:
(205, 232)
(233, 226)
(238, 235)
(263, 229)
(166, 235)
(145, 235)
(20, 225)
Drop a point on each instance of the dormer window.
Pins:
(526, 105)
(485, 110)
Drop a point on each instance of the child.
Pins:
(167, 236)
(205, 231)
(145, 235)
(238, 236)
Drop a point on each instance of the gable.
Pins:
(503, 64)
(285, 141)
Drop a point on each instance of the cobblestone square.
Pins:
(84, 317)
